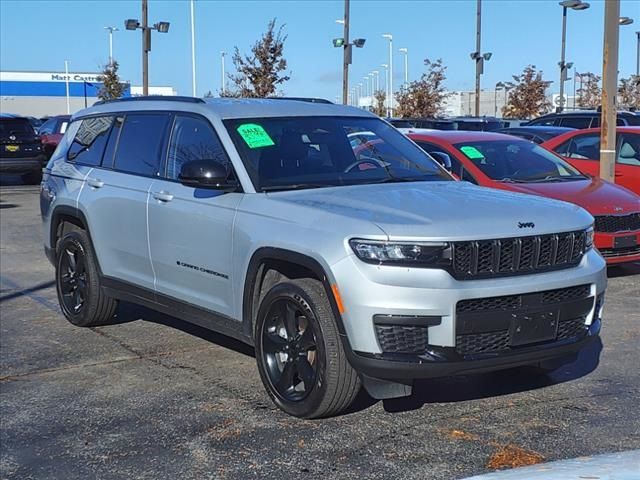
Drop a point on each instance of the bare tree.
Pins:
(111, 86)
(528, 98)
(589, 93)
(380, 97)
(424, 97)
(629, 92)
(260, 73)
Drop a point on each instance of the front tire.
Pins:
(299, 353)
(81, 299)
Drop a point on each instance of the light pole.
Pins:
(609, 87)
(66, 78)
(347, 48)
(377, 79)
(193, 51)
(478, 56)
(223, 80)
(564, 67)
(134, 24)
(406, 65)
(495, 98)
(111, 30)
(638, 55)
(389, 37)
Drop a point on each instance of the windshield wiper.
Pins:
(294, 186)
(406, 179)
(550, 178)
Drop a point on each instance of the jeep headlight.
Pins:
(588, 239)
(419, 254)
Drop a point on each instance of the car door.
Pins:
(628, 161)
(116, 193)
(190, 229)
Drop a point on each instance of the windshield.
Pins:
(311, 152)
(16, 126)
(517, 161)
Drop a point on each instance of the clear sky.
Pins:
(40, 35)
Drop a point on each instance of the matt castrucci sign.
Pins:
(48, 77)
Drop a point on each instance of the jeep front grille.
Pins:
(515, 256)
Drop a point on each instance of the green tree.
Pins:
(425, 97)
(589, 93)
(629, 92)
(260, 73)
(111, 86)
(378, 106)
(528, 98)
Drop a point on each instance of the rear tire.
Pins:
(81, 299)
(300, 356)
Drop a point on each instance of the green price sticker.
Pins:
(472, 152)
(255, 135)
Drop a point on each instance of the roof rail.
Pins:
(162, 98)
(302, 99)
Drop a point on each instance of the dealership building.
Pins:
(40, 94)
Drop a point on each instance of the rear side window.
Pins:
(89, 141)
(193, 139)
(140, 143)
(629, 153)
(575, 122)
(584, 147)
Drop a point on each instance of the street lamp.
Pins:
(377, 79)
(346, 50)
(495, 98)
(625, 21)
(389, 37)
(111, 30)
(564, 67)
(478, 56)
(134, 24)
(223, 79)
(406, 65)
(638, 55)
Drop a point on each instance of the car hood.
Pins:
(436, 210)
(597, 196)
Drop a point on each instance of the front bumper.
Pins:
(606, 244)
(445, 361)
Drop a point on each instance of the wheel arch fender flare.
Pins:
(253, 276)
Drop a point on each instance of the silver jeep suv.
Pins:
(319, 234)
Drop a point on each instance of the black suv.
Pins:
(21, 149)
(583, 119)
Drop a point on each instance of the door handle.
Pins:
(95, 183)
(162, 196)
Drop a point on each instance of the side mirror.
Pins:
(443, 159)
(206, 174)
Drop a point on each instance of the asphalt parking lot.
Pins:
(153, 397)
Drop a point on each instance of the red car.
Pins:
(510, 163)
(581, 148)
(52, 131)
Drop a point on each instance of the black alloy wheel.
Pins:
(73, 278)
(289, 349)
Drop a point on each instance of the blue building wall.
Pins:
(52, 89)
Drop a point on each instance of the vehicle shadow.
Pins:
(473, 387)
(129, 312)
(623, 270)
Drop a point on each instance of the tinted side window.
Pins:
(629, 153)
(549, 121)
(575, 122)
(89, 142)
(140, 143)
(193, 139)
(584, 147)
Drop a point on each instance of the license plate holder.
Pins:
(626, 241)
(12, 148)
(533, 327)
